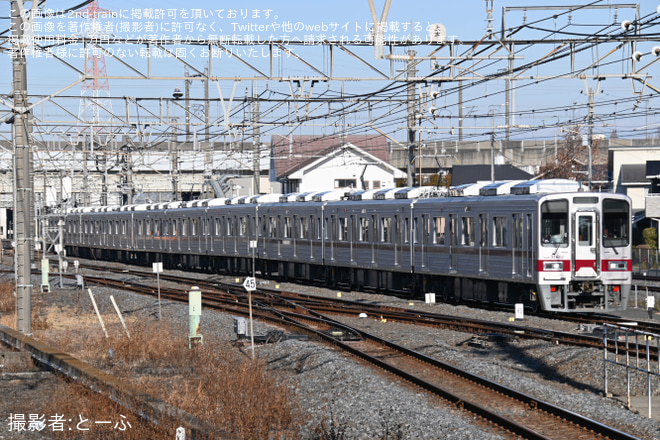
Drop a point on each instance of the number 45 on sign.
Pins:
(250, 284)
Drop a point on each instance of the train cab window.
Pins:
(467, 232)
(439, 230)
(554, 223)
(386, 230)
(616, 215)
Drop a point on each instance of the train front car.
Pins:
(585, 254)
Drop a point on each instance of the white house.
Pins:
(344, 167)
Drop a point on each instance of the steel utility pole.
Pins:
(256, 146)
(22, 170)
(412, 120)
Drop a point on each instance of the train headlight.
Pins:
(618, 265)
(556, 266)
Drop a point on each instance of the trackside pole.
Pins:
(121, 318)
(96, 309)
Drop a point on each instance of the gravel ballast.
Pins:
(366, 403)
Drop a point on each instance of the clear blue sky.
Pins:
(464, 20)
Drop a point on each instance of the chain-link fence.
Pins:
(645, 262)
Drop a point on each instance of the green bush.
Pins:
(651, 237)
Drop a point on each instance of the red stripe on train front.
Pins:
(579, 264)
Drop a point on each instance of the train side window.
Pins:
(304, 228)
(343, 229)
(517, 240)
(287, 227)
(483, 220)
(386, 230)
(364, 229)
(184, 227)
(231, 225)
(439, 230)
(416, 232)
(554, 223)
(406, 230)
(124, 227)
(499, 232)
(272, 227)
(242, 226)
(467, 232)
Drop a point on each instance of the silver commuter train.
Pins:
(537, 245)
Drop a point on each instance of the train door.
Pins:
(235, 228)
(517, 245)
(585, 254)
(279, 234)
(424, 239)
(352, 236)
(397, 240)
(529, 246)
(484, 243)
(332, 234)
(265, 233)
(453, 239)
(297, 230)
(312, 236)
(373, 227)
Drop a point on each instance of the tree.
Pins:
(651, 237)
(572, 160)
(561, 166)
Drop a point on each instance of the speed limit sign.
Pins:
(250, 284)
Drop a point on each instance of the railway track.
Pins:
(336, 306)
(505, 410)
